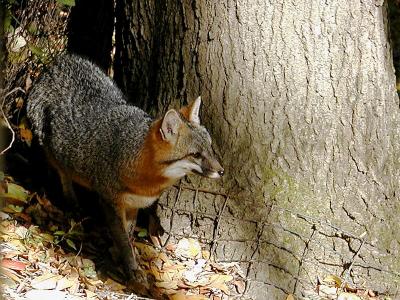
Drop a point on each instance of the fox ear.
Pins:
(170, 125)
(191, 112)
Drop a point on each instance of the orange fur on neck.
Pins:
(148, 179)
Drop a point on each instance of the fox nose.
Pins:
(221, 172)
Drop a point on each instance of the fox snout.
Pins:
(212, 169)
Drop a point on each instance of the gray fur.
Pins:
(81, 118)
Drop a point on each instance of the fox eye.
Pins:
(197, 155)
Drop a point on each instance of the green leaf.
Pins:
(14, 191)
(32, 28)
(53, 228)
(67, 2)
(71, 244)
(142, 233)
(36, 51)
(15, 208)
(59, 232)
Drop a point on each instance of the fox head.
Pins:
(190, 144)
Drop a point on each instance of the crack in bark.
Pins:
(353, 218)
(305, 250)
(314, 220)
(346, 272)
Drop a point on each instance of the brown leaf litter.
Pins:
(35, 266)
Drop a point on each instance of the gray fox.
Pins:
(92, 137)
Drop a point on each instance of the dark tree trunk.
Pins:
(136, 53)
(299, 97)
(394, 19)
(90, 30)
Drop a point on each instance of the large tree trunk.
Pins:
(300, 99)
(90, 30)
(134, 59)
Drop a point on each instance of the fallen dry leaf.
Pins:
(65, 283)
(219, 281)
(26, 135)
(191, 274)
(173, 285)
(206, 254)
(47, 281)
(188, 248)
(171, 247)
(328, 290)
(19, 102)
(10, 274)
(240, 286)
(182, 296)
(13, 265)
(8, 282)
(24, 131)
(113, 285)
(333, 280)
(348, 296)
(45, 295)
(90, 295)
(146, 252)
(15, 192)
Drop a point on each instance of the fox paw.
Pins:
(141, 282)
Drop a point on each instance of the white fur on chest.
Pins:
(137, 201)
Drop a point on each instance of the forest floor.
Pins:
(47, 255)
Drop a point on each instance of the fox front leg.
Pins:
(130, 223)
(115, 222)
(118, 224)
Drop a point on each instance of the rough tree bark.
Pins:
(90, 30)
(300, 99)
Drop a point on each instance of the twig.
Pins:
(6, 119)
(12, 92)
(216, 230)
(22, 285)
(200, 190)
(196, 195)
(79, 252)
(172, 215)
